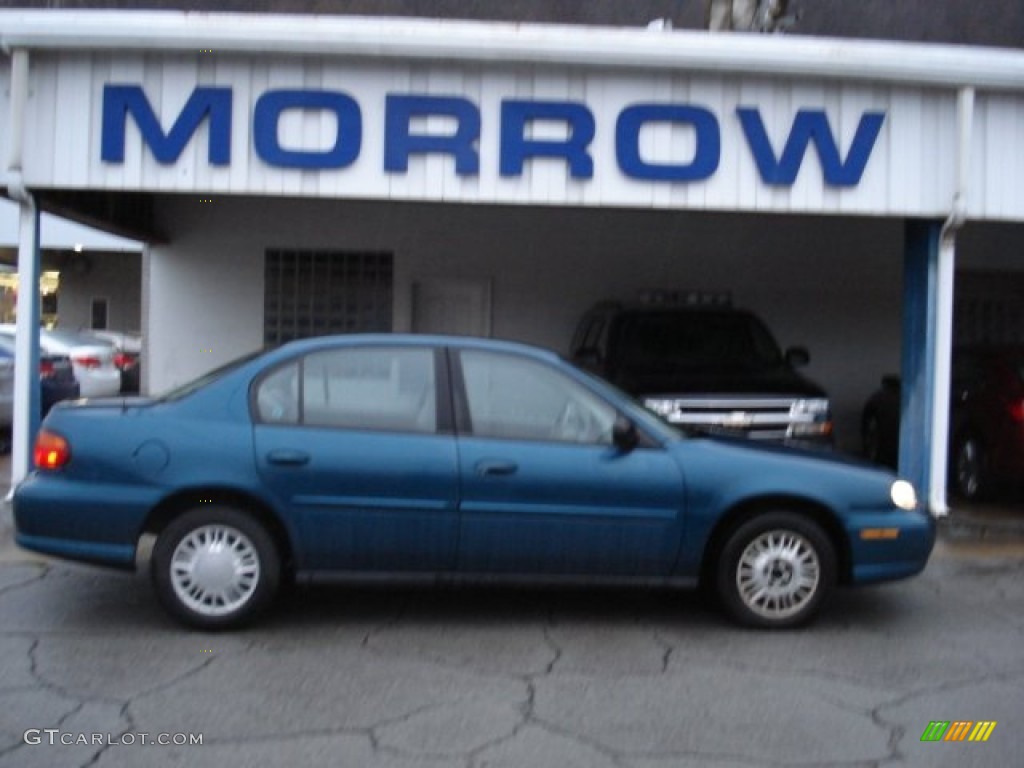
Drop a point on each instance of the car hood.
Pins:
(739, 381)
(730, 470)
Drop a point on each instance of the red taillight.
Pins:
(46, 369)
(123, 361)
(52, 451)
(1017, 411)
(88, 362)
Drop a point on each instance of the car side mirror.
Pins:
(798, 357)
(624, 434)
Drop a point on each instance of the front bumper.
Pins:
(889, 544)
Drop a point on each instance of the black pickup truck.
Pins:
(705, 366)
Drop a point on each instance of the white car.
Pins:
(6, 392)
(126, 341)
(92, 359)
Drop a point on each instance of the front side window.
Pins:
(516, 398)
(354, 388)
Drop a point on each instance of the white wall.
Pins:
(911, 171)
(833, 285)
(204, 292)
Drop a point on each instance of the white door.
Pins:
(454, 306)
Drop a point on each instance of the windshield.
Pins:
(207, 378)
(698, 339)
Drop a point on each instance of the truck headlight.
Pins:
(660, 406)
(903, 495)
(814, 409)
(810, 418)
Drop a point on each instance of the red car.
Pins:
(986, 421)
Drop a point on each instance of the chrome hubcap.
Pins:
(214, 570)
(778, 574)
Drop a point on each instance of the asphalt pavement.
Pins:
(92, 673)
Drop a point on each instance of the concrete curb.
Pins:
(960, 526)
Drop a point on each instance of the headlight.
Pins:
(663, 408)
(809, 410)
(809, 418)
(903, 495)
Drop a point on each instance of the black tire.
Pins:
(758, 589)
(241, 568)
(970, 475)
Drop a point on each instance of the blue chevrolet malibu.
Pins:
(429, 456)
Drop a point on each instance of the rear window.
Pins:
(206, 379)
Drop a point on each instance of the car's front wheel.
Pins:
(215, 567)
(776, 570)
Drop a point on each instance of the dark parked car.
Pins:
(440, 457)
(704, 365)
(986, 421)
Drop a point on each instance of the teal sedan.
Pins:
(448, 458)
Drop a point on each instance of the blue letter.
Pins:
(121, 100)
(347, 143)
(399, 143)
(515, 147)
(627, 142)
(811, 125)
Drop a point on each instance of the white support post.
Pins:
(26, 371)
(26, 346)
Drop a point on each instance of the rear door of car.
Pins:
(355, 440)
(543, 488)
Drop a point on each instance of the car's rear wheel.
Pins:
(776, 570)
(215, 567)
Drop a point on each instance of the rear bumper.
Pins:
(119, 556)
(89, 522)
(100, 383)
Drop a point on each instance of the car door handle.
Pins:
(288, 458)
(494, 468)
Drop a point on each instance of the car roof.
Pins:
(417, 340)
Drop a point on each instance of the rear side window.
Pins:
(277, 396)
(370, 388)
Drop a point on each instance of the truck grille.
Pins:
(759, 418)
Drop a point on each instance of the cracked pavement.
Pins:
(378, 677)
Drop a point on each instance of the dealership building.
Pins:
(298, 175)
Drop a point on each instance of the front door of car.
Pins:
(352, 441)
(544, 489)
